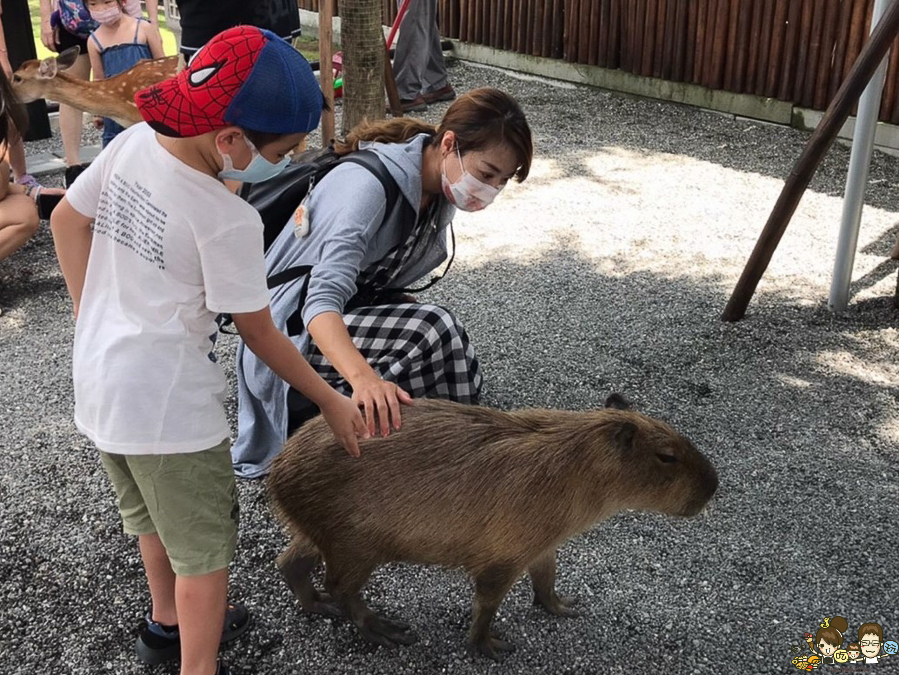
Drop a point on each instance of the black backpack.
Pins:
(277, 198)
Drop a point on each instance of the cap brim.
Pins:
(169, 112)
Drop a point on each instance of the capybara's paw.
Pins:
(558, 605)
(385, 632)
(491, 646)
(321, 603)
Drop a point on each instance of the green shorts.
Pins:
(188, 499)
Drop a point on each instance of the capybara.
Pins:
(491, 492)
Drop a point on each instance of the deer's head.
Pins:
(34, 78)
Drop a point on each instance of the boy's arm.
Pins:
(277, 352)
(96, 61)
(72, 237)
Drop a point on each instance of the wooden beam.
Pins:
(801, 175)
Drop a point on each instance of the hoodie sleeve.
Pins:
(345, 211)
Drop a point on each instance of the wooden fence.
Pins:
(793, 50)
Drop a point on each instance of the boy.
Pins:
(152, 246)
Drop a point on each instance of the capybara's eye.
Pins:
(16, 78)
(666, 459)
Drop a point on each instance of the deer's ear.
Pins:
(67, 58)
(48, 68)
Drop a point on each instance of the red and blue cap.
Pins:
(244, 76)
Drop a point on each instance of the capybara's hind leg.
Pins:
(491, 586)
(543, 577)
(296, 563)
(344, 581)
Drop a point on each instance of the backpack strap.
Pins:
(370, 161)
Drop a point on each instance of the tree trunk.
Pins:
(363, 62)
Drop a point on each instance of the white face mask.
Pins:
(259, 169)
(110, 15)
(467, 193)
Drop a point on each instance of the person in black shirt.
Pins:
(201, 20)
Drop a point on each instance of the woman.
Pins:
(381, 350)
(21, 206)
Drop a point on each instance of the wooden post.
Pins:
(870, 58)
(393, 94)
(326, 73)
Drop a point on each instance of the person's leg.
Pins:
(201, 611)
(411, 54)
(160, 578)
(433, 75)
(71, 120)
(433, 357)
(18, 222)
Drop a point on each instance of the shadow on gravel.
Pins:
(647, 126)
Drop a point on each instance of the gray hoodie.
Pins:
(346, 236)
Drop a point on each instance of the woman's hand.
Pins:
(345, 420)
(49, 36)
(382, 398)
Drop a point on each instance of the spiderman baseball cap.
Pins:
(244, 76)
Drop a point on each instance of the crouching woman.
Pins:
(349, 314)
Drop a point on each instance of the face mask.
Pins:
(467, 193)
(110, 15)
(259, 169)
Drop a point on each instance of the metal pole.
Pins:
(857, 177)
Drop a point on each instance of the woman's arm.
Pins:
(154, 39)
(375, 395)
(153, 12)
(72, 237)
(4, 177)
(280, 354)
(48, 33)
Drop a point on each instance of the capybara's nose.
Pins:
(711, 481)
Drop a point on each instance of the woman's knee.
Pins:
(20, 212)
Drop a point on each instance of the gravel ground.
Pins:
(606, 270)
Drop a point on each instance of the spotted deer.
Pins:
(112, 97)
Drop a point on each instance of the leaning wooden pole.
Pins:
(819, 143)
(326, 72)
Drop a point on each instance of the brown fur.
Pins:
(491, 492)
(111, 97)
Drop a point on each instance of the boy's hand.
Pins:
(345, 420)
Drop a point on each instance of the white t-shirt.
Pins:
(171, 248)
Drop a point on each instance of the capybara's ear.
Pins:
(617, 401)
(624, 437)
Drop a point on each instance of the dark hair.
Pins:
(833, 634)
(263, 138)
(12, 114)
(479, 119)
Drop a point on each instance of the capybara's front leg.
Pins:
(491, 586)
(543, 577)
(296, 563)
(344, 582)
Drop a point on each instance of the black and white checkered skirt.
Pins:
(421, 348)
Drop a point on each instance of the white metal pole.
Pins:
(857, 177)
